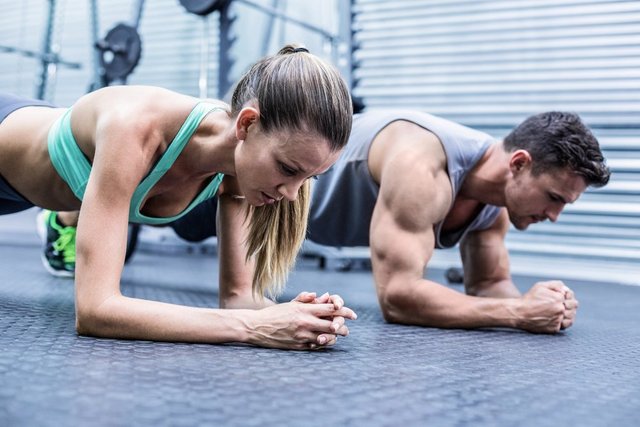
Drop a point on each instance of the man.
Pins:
(409, 183)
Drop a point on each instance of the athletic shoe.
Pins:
(59, 251)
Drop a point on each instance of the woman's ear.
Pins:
(246, 117)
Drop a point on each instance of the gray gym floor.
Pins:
(381, 375)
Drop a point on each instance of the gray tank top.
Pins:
(344, 197)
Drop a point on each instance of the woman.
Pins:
(149, 155)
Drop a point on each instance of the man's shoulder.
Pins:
(414, 186)
(415, 158)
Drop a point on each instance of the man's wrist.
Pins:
(515, 308)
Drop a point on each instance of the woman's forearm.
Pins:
(294, 325)
(131, 318)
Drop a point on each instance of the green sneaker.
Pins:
(59, 252)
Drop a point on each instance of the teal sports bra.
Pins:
(74, 168)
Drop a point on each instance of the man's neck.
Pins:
(486, 182)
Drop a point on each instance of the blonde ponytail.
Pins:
(276, 233)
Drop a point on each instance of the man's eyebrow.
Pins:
(561, 197)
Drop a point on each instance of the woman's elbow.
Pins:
(91, 319)
(82, 326)
(87, 322)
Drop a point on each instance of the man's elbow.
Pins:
(393, 304)
(405, 304)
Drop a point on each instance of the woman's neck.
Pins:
(212, 148)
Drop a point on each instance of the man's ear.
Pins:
(519, 161)
(246, 117)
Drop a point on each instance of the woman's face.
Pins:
(270, 167)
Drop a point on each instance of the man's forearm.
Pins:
(503, 288)
(428, 303)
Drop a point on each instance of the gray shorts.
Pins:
(10, 200)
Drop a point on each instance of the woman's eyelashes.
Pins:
(287, 170)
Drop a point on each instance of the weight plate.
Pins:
(203, 7)
(121, 51)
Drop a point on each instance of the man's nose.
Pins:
(553, 212)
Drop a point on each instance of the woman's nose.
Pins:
(289, 191)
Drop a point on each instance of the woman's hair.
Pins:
(560, 140)
(294, 91)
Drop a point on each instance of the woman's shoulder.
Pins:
(134, 97)
(137, 106)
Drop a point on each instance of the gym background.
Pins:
(486, 64)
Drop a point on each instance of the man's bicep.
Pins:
(401, 245)
(413, 197)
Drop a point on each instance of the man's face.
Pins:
(534, 198)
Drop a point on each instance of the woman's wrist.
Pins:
(242, 325)
(247, 331)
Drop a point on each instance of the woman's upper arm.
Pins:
(117, 168)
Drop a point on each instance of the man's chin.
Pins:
(520, 225)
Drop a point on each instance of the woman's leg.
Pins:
(58, 233)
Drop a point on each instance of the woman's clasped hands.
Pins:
(308, 322)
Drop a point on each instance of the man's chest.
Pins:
(463, 212)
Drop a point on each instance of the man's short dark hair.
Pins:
(560, 140)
